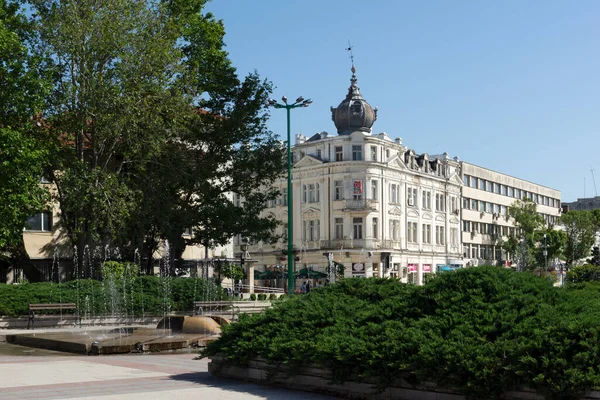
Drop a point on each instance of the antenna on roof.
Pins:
(594, 179)
(349, 49)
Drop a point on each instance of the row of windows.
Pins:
(483, 251)
(357, 153)
(491, 208)
(489, 229)
(505, 190)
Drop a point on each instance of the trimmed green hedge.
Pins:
(482, 330)
(130, 297)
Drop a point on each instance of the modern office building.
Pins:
(486, 197)
(587, 203)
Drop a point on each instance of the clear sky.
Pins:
(512, 86)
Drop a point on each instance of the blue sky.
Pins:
(513, 86)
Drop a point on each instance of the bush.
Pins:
(272, 296)
(484, 330)
(252, 297)
(262, 296)
(130, 296)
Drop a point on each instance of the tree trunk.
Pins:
(20, 259)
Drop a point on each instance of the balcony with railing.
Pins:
(361, 205)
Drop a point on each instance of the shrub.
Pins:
(484, 330)
(252, 297)
(272, 296)
(262, 296)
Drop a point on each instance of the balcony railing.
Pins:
(351, 244)
(364, 204)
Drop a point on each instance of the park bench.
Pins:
(46, 307)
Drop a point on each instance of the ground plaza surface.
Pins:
(27, 373)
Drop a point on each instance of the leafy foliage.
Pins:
(134, 296)
(580, 227)
(484, 330)
(583, 273)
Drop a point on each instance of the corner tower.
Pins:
(354, 113)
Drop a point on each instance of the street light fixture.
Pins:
(300, 102)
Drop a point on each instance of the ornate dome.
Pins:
(354, 113)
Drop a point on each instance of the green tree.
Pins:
(24, 83)
(522, 245)
(580, 229)
(583, 273)
(153, 125)
(554, 243)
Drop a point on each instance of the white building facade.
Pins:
(375, 205)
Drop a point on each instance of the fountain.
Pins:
(168, 332)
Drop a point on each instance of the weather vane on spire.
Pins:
(349, 49)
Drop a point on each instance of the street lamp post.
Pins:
(545, 256)
(243, 251)
(300, 102)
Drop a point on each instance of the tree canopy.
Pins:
(580, 228)
(151, 128)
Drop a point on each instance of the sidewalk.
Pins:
(135, 377)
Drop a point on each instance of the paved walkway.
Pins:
(134, 377)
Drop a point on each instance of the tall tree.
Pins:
(24, 82)
(154, 126)
(523, 244)
(580, 229)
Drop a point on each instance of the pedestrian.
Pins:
(303, 287)
(308, 287)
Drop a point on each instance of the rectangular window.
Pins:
(338, 190)
(503, 210)
(358, 190)
(339, 228)
(426, 200)
(373, 153)
(356, 152)
(466, 180)
(304, 194)
(511, 191)
(466, 226)
(394, 191)
(488, 208)
(474, 251)
(481, 206)
(496, 188)
(395, 229)
(411, 196)
(517, 194)
(319, 154)
(374, 189)
(474, 182)
(465, 203)
(454, 237)
(488, 186)
(474, 204)
(375, 228)
(426, 234)
(357, 226)
(503, 190)
(412, 232)
(387, 153)
(339, 153)
(439, 202)
(481, 185)
(466, 250)
(439, 235)
(40, 222)
(284, 196)
(496, 209)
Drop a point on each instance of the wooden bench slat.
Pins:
(47, 306)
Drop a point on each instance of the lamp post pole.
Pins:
(300, 102)
(546, 256)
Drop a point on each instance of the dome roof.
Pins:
(353, 113)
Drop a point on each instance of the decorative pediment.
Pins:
(454, 220)
(308, 161)
(412, 213)
(440, 218)
(427, 215)
(396, 161)
(455, 178)
(310, 212)
(395, 211)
